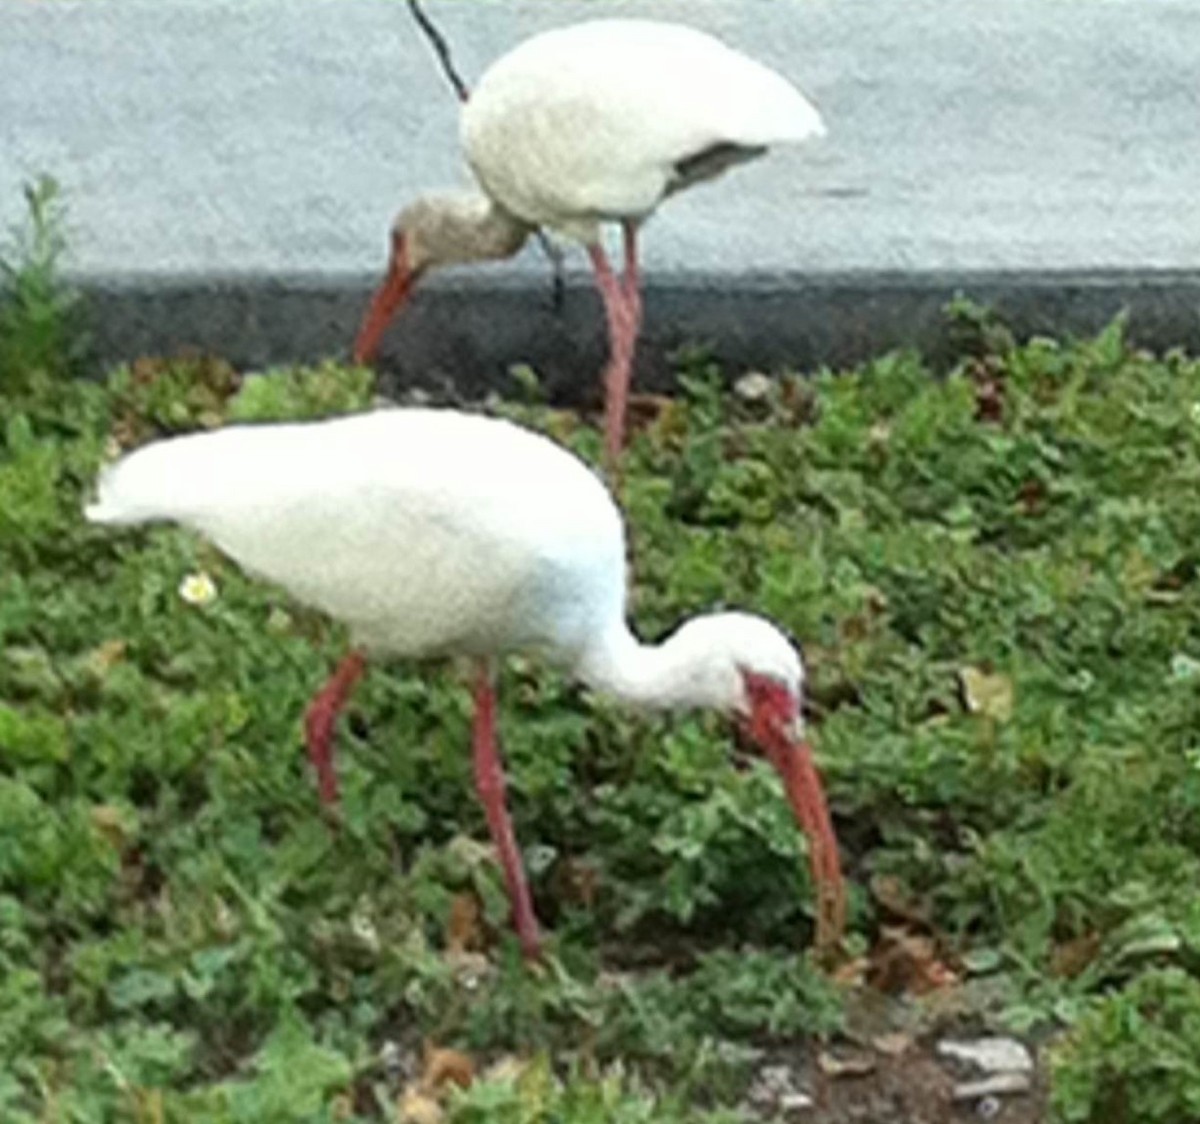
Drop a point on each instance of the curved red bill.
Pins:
(773, 724)
(391, 294)
(794, 763)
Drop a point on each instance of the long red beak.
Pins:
(396, 287)
(793, 760)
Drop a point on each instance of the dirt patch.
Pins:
(916, 1087)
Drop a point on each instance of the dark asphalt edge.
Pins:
(462, 334)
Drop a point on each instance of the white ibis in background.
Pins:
(438, 533)
(593, 123)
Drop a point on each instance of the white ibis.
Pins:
(387, 522)
(593, 123)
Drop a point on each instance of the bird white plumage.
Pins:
(386, 522)
(433, 532)
(592, 123)
(589, 122)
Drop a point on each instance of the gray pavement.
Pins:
(231, 168)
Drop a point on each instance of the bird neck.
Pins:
(662, 676)
(462, 228)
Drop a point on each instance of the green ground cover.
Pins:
(992, 568)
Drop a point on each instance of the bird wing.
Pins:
(593, 120)
(426, 531)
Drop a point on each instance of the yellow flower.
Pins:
(198, 589)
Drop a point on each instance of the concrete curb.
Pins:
(230, 171)
(464, 335)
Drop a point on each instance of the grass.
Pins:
(994, 576)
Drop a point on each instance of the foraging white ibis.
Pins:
(435, 533)
(587, 124)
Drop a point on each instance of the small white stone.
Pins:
(771, 1082)
(470, 968)
(775, 1087)
(391, 1059)
(996, 1085)
(794, 1102)
(539, 858)
(754, 387)
(733, 1052)
(992, 1055)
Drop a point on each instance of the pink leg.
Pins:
(489, 783)
(623, 313)
(321, 717)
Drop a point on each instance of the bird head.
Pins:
(751, 668)
(743, 665)
(434, 231)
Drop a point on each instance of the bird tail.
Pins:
(152, 483)
(777, 113)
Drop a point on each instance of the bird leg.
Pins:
(321, 716)
(489, 783)
(632, 281)
(623, 313)
(554, 255)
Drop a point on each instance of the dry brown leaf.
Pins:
(897, 899)
(646, 409)
(149, 1106)
(986, 693)
(464, 930)
(893, 1044)
(906, 962)
(508, 1068)
(1032, 496)
(109, 821)
(989, 402)
(845, 1064)
(988, 375)
(105, 656)
(469, 968)
(797, 400)
(852, 973)
(1072, 957)
(661, 414)
(854, 628)
(576, 882)
(444, 1068)
(415, 1107)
